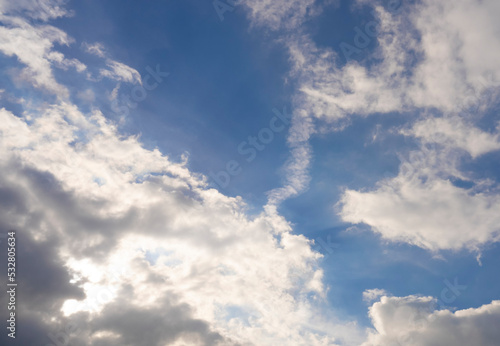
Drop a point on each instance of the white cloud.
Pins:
(32, 45)
(426, 57)
(86, 95)
(454, 132)
(113, 203)
(61, 62)
(422, 206)
(36, 9)
(460, 41)
(95, 49)
(278, 14)
(120, 72)
(296, 178)
(150, 245)
(373, 294)
(412, 321)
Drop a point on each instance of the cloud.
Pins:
(424, 58)
(455, 133)
(95, 49)
(120, 72)
(272, 13)
(86, 95)
(115, 70)
(373, 294)
(32, 45)
(425, 63)
(277, 15)
(35, 9)
(413, 321)
(296, 178)
(455, 217)
(415, 66)
(131, 238)
(119, 208)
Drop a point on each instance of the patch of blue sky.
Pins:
(230, 312)
(99, 181)
(153, 256)
(223, 85)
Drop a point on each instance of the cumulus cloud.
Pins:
(413, 321)
(455, 217)
(119, 208)
(139, 235)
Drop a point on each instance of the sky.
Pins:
(251, 172)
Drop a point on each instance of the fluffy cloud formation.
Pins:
(455, 216)
(455, 133)
(147, 233)
(413, 321)
(136, 249)
(131, 239)
(32, 45)
(425, 57)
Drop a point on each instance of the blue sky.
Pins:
(370, 218)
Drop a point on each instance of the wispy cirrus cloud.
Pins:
(120, 72)
(39, 9)
(94, 48)
(280, 14)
